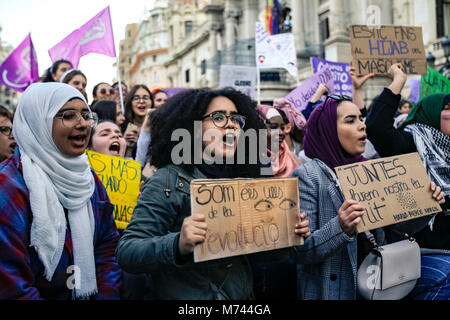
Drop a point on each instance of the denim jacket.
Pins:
(149, 245)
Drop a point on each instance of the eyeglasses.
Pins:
(220, 119)
(70, 118)
(336, 97)
(145, 98)
(103, 91)
(5, 130)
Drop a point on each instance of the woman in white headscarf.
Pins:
(57, 232)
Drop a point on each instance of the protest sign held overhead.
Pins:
(95, 36)
(20, 68)
(433, 82)
(277, 51)
(391, 190)
(341, 74)
(300, 96)
(241, 78)
(246, 215)
(375, 50)
(121, 178)
(415, 89)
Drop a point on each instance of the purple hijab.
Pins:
(321, 140)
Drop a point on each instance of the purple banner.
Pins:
(300, 96)
(341, 74)
(95, 36)
(173, 91)
(20, 69)
(415, 90)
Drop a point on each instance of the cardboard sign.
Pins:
(300, 96)
(240, 78)
(392, 190)
(377, 49)
(433, 82)
(341, 74)
(121, 178)
(246, 215)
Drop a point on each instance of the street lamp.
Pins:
(446, 68)
(430, 59)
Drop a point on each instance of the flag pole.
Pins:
(120, 86)
(258, 84)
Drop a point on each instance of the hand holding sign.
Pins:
(358, 81)
(193, 232)
(350, 214)
(302, 227)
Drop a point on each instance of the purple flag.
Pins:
(95, 36)
(415, 89)
(300, 96)
(341, 74)
(20, 69)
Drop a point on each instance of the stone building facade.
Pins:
(204, 34)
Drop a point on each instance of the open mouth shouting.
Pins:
(78, 141)
(114, 149)
(229, 140)
(12, 147)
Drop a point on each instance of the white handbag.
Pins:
(389, 272)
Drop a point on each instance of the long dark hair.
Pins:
(129, 114)
(180, 112)
(48, 77)
(105, 109)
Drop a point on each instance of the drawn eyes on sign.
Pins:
(263, 205)
(287, 204)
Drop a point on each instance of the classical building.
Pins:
(8, 97)
(146, 49)
(203, 35)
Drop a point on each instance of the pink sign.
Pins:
(20, 69)
(95, 36)
(300, 96)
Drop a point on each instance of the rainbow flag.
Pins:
(273, 12)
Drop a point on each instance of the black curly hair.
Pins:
(180, 112)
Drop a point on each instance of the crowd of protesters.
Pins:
(56, 217)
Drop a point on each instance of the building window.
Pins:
(203, 67)
(324, 28)
(268, 76)
(188, 27)
(443, 18)
(187, 76)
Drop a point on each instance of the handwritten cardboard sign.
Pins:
(392, 190)
(300, 96)
(121, 178)
(246, 215)
(376, 49)
(433, 82)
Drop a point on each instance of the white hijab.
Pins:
(56, 181)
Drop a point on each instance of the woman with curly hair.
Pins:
(162, 233)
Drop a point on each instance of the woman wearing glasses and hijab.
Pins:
(162, 233)
(56, 222)
(335, 136)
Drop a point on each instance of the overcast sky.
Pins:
(50, 21)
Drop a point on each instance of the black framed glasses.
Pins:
(137, 98)
(5, 130)
(70, 118)
(220, 119)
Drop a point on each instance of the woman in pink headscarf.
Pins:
(283, 161)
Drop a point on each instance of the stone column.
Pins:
(298, 22)
(337, 46)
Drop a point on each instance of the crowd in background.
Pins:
(55, 213)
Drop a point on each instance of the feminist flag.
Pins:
(95, 36)
(20, 69)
